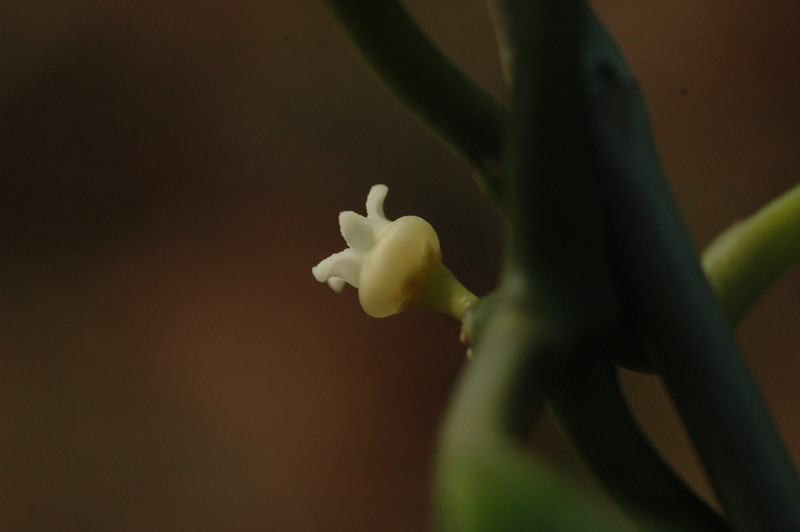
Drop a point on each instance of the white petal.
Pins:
(336, 284)
(375, 198)
(358, 232)
(345, 265)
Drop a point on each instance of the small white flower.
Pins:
(388, 261)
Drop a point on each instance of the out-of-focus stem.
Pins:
(747, 258)
(467, 117)
(485, 477)
(589, 405)
(560, 244)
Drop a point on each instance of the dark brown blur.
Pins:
(171, 171)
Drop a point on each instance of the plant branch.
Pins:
(463, 114)
(485, 478)
(559, 243)
(589, 405)
(677, 313)
(558, 238)
(747, 258)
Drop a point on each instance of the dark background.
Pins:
(170, 172)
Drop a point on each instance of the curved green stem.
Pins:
(677, 314)
(559, 245)
(747, 258)
(485, 478)
(587, 400)
(467, 117)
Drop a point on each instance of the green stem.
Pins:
(467, 117)
(587, 400)
(442, 292)
(677, 313)
(485, 478)
(746, 259)
(558, 235)
(559, 244)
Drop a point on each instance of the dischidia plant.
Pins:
(600, 273)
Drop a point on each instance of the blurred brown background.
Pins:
(169, 173)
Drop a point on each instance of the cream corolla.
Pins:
(394, 264)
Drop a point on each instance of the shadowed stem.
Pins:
(463, 114)
(676, 312)
(559, 243)
(485, 478)
(588, 403)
